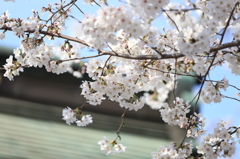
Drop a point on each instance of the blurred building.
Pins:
(31, 125)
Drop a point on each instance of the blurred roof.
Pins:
(31, 125)
(27, 138)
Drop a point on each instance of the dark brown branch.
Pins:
(78, 8)
(155, 49)
(181, 10)
(224, 46)
(229, 52)
(96, 3)
(143, 57)
(136, 57)
(228, 22)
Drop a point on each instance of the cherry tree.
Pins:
(139, 57)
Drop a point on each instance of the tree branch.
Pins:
(228, 23)
(181, 10)
(171, 20)
(127, 56)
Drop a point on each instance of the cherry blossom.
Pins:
(69, 115)
(111, 147)
(141, 62)
(86, 119)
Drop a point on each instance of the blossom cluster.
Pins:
(176, 114)
(121, 84)
(217, 10)
(201, 65)
(219, 144)
(156, 99)
(153, 61)
(147, 9)
(111, 147)
(193, 42)
(34, 57)
(70, 116)
(113, 82)
(32, 51)
(211, 93)
(96, 30)
(173, 151)
(233, 63)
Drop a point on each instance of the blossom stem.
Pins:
(121, 125)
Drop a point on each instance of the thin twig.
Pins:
(59, 10)
(79, 58)
(78, 8)
(228, 22)
(229, 84)
(75, 18)
(181, 10)
(155, 49)
(121, 125)
(197, 95)
(85, 103)
(230, 97)
(97, 3)
(172, 20)
(105, 64)
(184, 138)
(111, 49)
(187, 74)
(175, 80)
(64, 11)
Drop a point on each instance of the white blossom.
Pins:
(86, 119)
(143, 62)
(68, 115)
(111, 147)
